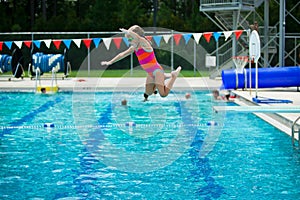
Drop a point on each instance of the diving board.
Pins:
(258, 109)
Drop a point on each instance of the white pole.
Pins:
(195, 59)
(250, 76)
(89, 58)
(131, 64)
(172, 49)
(256, 78)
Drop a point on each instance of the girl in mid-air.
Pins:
(145, 54)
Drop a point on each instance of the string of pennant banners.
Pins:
(118, 40)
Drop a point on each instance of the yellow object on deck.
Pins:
(46, 89)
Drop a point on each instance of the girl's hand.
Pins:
(123, 30)
(106, 63)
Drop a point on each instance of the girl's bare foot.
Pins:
(176, 72)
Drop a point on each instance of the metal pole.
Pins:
(89, 58)
(195, 58)
(131, 64)
(217, 54)
(266, 33)
(234, 51)
(256, 78)
(282, 33)
(172, 50)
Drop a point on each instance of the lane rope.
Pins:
(133, 125)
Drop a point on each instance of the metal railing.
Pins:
(295, 131)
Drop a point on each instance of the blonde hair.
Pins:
(138, 30)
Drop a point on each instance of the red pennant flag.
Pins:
(87, 42)
(1, 45)
(177, 38)
(238, 33)
(28, 43)
(56, 43)
(207, 36)
(117, 42)
(149, 37)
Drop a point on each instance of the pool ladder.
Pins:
(295, 130)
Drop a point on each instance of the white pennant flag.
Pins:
(167, 38)
(77, 42)
(227, 34)
(107, 42)
(47, 43)
(18, 43)
(197, 37)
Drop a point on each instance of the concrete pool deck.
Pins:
(282, 121)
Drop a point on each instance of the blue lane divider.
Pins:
(212, 190)
(31, 115)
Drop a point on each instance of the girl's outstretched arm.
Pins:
(118, 57)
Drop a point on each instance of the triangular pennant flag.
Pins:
(19, 44)
(125, 40)
(107, 42)
(117, 42)
(87, 42)
(97, 41)
(8, 44)
(149, 37)
(238, 33)
(197, 37)
(67, 43)
(227, 34)
(167, 38)
(47, 43)
(217, 35)
(187, 37)
(27, 43)
(207, 36)
(77, 42)
(157, 39)
(177, 38)
(37, 43)
(1, 46)
(57, 43)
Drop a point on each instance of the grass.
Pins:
(128, 73)
(121, 73)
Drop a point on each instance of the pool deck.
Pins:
(282, 121)
(92, 84)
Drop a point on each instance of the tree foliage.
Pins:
(98, 15)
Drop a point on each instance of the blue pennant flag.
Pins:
(97, 41)
(8, 44)
(37, 43)
(217, 35)
(157, 39)
(187, 37)
(67, 43)
(125, 40)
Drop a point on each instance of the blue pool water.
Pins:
(170, 150)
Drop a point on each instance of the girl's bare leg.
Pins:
(150, 86)
(163, 89)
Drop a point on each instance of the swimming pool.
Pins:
(169, 148)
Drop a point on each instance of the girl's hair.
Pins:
(138, 30)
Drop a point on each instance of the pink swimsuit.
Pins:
(148, 61)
